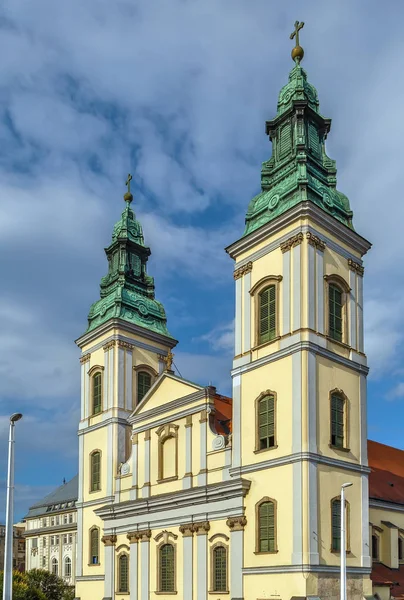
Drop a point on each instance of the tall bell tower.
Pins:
(123, 352)
(299, 370)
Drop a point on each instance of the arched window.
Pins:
(95, 468)
(265, 421)
(167, 568)
(338, 408)
(375, 547)
(400, 548)
(97, 393)
(94, 546)
(336, 524)
(68, 567)
(267, 314)
(335, 306)
(266, 518)
(219, 568)
(167, 452)
(144, 382)
(55, 566)
(123, 573)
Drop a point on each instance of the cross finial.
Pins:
(169, 360)
(297, 52)
(129, 179)
(128, 196)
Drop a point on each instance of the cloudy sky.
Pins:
(177, 92)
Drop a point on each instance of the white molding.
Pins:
(363, 424)
(113, 324)
(82, 391)
(133, 571)
(146, 488)
(236, 563)
(179, 415)
(314, 556)
(297, 287)
(188, 566)
(238, 316)
(109, 560)
(128, 380)
(361, 346)
(90, 578)
(202, 393)
(121, 377)
(303, 568)
(188, 450)
(202, 567)
(236, 421)
(320, 290)
(109, 457)
(352, 309)
(383, 505)
(79, 547)
(246, 312)
(145, 570)
(286, 287)
(312, 401)
(311, 283)
(365, 554)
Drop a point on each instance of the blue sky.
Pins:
(176, 93)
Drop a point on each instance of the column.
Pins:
(236, 422)
(146, 486)
(128, 379)
(82, 395)
(202, 475)
(144, 538)
(105, 404)
(246, 337)
(297, 287)
(111, 368)
(311, 283)
(135, 448)
(361, 347)
(188, 562)
(297, 554)
(79, 567)
(133, 565)
(121, 374)
(187, 481)
(110, 461)
(320, 288)
(202, 530)
(285, 325)
(109, 560)
(238, 318)
(352, 309)
(236, 526)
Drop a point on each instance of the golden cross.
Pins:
(169, 360)
(128, 182)
(295, 33)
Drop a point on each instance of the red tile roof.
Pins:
(394, 578)
(223, 406)
(386, 480)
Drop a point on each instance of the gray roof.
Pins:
(67, 492)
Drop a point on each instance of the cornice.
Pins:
(303, 210)
(202, 394)
(386, 505)
(304, 568)
(91, 336)
(234, 488)
(68, 527)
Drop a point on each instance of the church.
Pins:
(185, 492)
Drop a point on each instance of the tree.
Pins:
(38, 584)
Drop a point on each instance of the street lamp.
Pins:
(343, 543)
(8, 550)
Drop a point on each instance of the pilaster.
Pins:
(236, 526)
(201, 529)
(202, 475)
(109, 542)
(188, 559)
(133, 565)
(146, 485)
(187, 481)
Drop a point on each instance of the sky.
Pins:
(176, 92)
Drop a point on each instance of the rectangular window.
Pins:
(35, 542)
(97, 393)
(266, 422)
(336, 525)
(43, 522)
(70, 518)
(267, 315)
(335, 312)
(65, 519)
(266, 527)
(337, 420)
(95, 471)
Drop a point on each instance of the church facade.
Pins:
(185, 492)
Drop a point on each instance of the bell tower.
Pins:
(124, 350)
(299, 370)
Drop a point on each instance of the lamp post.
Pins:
(343, 543)
(8, 550)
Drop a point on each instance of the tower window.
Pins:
(336, 524)
(94, 546)
(219, 567)
(95, 468)
(266, 422)
(123, 573)
(375, 547)
(167, 568)
(335, 312)
(97, 389)
(267, 315)
(144, 382)
(338, 407)
(266, 516)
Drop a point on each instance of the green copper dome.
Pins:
(299, 169)
(127, 291)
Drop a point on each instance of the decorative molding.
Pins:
(167, 430)
(202, 528)
(218, 442)
(187, 530)
(165, 536)
(293, 241)
(127, 345)
(147, 435)
(109, 345)
(219, 535)
(204, 416)
(243, 270)
(188, 421)
(134, 438)
(85, 358)
(315, 241)
(145, 535)
(109, 540)
(236, 523)
(133, 537)
(354, 266)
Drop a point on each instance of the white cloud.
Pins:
(221, 338)
(396, 392)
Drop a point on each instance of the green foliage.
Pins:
(38, 584)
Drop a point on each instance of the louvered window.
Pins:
(337, 420)
(97, 393)
(123, 573)
(220, 569)
(143, 384)
(167, 568)
(285, 140)
(266, 527)
(267, 314)
(95, 471)
(335, 312)
(336, 525)
(94, 546)
(266, 422)
(314, 139)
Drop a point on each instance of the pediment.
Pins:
(167, 388)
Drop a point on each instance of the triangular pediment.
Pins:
(167, 388)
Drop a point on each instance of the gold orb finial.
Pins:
(128, 196)
(297, 51)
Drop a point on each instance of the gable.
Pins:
(165, 389)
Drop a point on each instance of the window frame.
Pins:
(92, 373)
(340, 283)
(257, 526)
(375, 536)
(65, 562)
(347, 526)
(166, 542)
(255, 293)
(96, 451)
(120, 556)
(165, 432)
(213, 548)
(139, 369)
(96, 529)
(344, 398)
(259, 399)
(55, 562)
